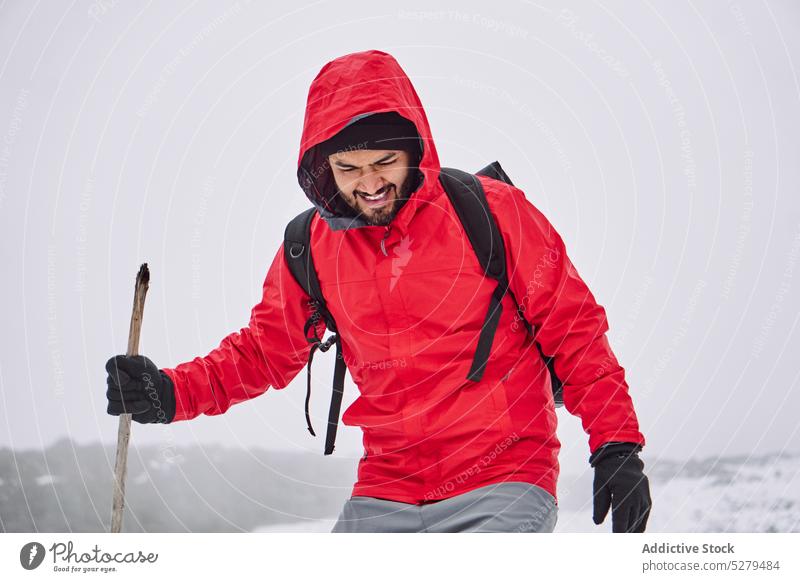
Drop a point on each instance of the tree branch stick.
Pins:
(124, 431)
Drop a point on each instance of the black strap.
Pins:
(297, 250)
(336, 398)
(469, 201)
(308, 388)
(486, 337)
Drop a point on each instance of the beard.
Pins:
(383, 215)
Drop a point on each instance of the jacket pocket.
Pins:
(501, 414)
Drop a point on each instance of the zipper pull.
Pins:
(383, 240)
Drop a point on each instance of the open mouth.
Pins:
(377, 199)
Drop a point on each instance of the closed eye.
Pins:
(351, 168)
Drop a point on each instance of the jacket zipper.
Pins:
(383, 240)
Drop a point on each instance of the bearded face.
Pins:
(375, 183)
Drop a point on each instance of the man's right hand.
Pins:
(136, 386)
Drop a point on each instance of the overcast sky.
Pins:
(661, 139)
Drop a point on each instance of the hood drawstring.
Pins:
(383, 240)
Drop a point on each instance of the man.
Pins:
(409, 297)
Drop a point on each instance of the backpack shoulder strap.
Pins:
(297, 250)
(469, 201)
(300, 259)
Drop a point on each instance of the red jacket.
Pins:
(409, 321)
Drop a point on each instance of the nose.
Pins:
(370, 182)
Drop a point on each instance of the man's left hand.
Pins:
(620, 484)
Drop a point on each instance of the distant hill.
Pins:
(67, 487)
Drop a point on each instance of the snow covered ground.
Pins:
(317, 526)
(214, 488)
(721, 494)
(728, 494)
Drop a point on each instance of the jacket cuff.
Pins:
(167, 398)
(612, 448)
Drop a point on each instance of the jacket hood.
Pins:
(344, 91)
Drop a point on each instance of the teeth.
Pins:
(375, 197)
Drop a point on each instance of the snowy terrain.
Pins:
(734, 494)
(729, 494)
(67, 487)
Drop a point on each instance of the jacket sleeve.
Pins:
(568, 323)
(270, 351)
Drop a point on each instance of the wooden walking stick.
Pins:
(124, 432)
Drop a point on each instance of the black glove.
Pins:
(619, 481)
(136, 386)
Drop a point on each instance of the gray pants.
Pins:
(502, 507)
